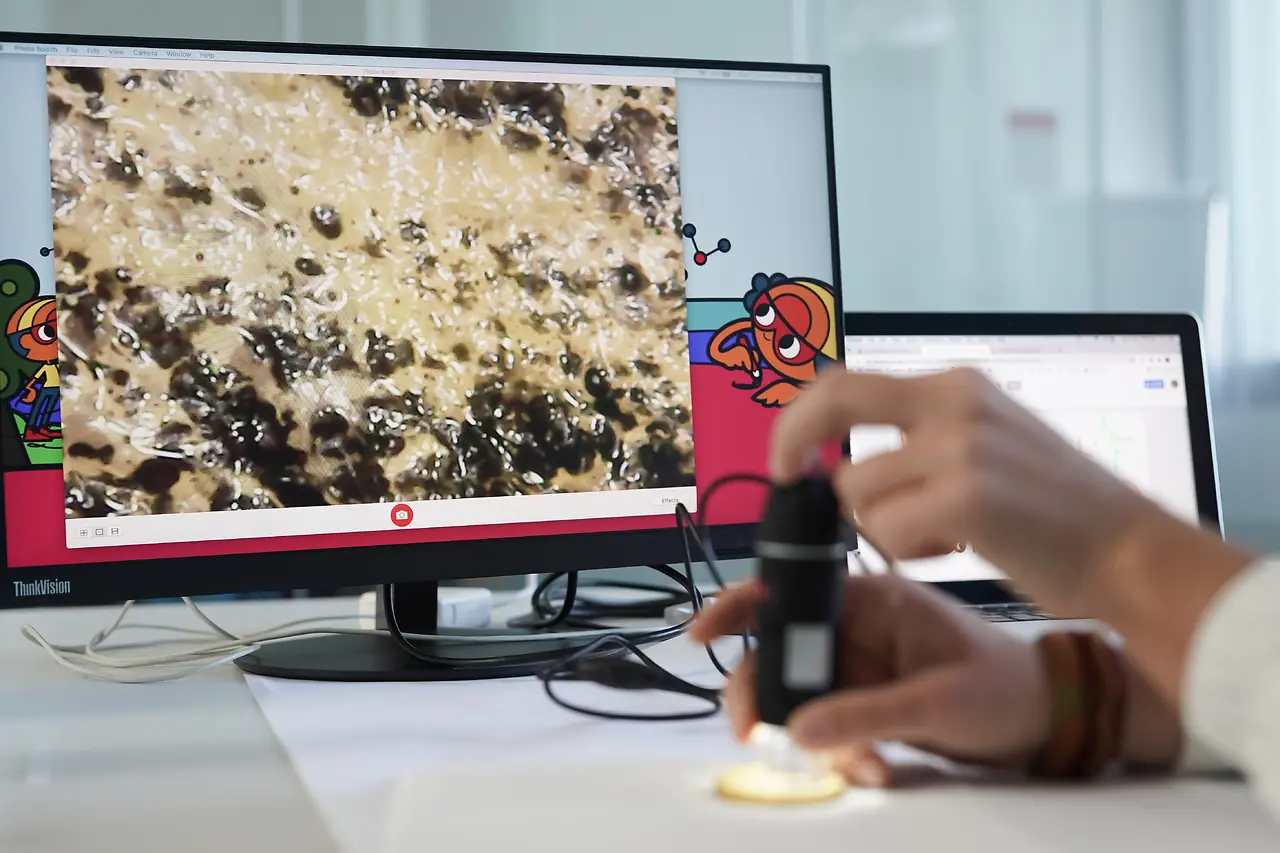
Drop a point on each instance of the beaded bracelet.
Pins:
(1087, 684)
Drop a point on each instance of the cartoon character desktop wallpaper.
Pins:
(31, 420)
(749, 357)
(789, 330)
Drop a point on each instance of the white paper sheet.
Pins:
(476, 765)
(662, 803)
(351, 743)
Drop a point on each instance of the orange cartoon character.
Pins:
(33, 334)
(791, 332)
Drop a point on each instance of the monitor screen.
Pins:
(1121, 399)
(287, 299)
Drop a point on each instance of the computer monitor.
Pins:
(285, 316)
(1129, 390)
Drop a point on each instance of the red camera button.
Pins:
(401, 515)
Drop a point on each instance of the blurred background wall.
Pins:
(991, 154)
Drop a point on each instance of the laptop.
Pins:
(1128, 389)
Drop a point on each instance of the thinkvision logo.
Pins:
(36, 589)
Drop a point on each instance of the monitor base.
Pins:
(377, 657)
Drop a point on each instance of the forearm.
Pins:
(1155, 588)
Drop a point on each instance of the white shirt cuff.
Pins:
(1196, 759)
(1231, 694)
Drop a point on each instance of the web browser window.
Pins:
(1119, 399)
(264, 300)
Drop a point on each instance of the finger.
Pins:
(838, 400)
(929, 550)
(862, 765)
(740, 699)
(828, 408)
(912, 709)
(730, 612)
(914, 522)
(926, 550)
(896, 474)
(860, 483)
(923, 549)
(932, 450)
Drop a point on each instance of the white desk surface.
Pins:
(194, 766)
(185, 766)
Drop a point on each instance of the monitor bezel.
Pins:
(110, 582)
(1185, 326)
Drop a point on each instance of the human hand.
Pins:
(916, 668)
(976, 468)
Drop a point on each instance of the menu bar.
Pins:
(988, 345)
(177, 54)
(375, 517)
(503, 74)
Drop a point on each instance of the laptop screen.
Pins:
(1119, 398)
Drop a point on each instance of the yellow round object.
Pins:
(757, 782)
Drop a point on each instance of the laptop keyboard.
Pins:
(1011, 613)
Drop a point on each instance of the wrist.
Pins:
(1153, 586)
(1152, 735)
(1090, 701)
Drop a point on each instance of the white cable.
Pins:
(280, 635)
(106, 674)
(191, 605)
(91, 661)
(197, 659)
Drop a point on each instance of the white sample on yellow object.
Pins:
(785, 775)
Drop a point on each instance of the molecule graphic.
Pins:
(699, 256)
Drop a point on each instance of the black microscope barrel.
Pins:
(802, 562)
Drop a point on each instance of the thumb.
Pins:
(909, 709)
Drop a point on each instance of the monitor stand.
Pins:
(377, 657)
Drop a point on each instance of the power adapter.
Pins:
(458, 607)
